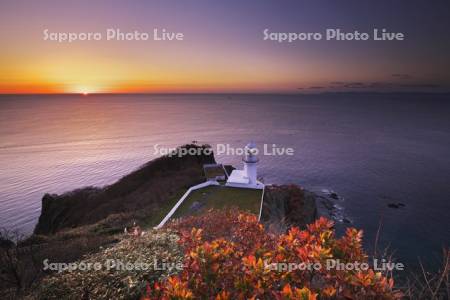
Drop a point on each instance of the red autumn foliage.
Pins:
(227, 254)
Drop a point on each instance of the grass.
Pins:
(213, 172)
(155, 218)
(219, 197)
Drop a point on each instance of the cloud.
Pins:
(380, 85)
(402, 76)
(354, 84)
(421, 85)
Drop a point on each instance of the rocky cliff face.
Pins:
(145, 189)
(288, 205)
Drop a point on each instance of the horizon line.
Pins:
(221, 93)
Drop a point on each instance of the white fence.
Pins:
(262, 201)
(192, 188)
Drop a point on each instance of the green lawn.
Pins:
(155, 217)
(220, 197)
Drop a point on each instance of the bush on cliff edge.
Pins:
(227, 257)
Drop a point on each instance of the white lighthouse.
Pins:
(247, 178)
(250, 161)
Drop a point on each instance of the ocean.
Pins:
(370, 149)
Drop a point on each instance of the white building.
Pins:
(247, 178)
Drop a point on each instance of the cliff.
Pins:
(140, 194)
(288, 205)
(86, 221)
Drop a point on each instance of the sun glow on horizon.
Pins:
(83, 90)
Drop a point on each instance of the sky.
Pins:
(223, 48)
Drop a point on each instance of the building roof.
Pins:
(238, 176)
(213, 171)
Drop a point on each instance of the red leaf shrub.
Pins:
(228, 256)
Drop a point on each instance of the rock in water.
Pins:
(393, 205)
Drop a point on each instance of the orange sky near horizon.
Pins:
(118, 67)
(178, 67)
(222, 51)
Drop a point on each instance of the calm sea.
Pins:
(370, 149)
